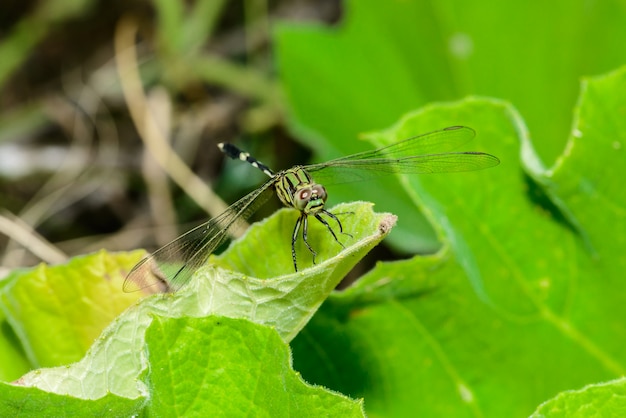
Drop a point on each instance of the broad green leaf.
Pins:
(594, 401)
(33, 402)
(523, 301)
(57, 311)
(118, 362)
(232, 368)
(387, 58)
(266, 252)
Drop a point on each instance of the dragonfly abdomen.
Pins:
(237, 154)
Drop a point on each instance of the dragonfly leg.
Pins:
(304, 223)
(305, 232)
(294, 237)
(333, 216)
(322, 220)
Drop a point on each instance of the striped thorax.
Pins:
(296, 188)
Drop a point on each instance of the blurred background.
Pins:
(77, 168)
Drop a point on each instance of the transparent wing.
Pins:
(443, 140)
(171, 266)
(411, 156)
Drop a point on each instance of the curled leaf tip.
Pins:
(387, 223)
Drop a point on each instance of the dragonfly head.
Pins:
(310, 198)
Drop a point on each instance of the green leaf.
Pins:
(232, 368)
(57, 311)
(387, 58)
(266, 250)
(120, 363)
(522, 302)
(34, 402)
(593, 401)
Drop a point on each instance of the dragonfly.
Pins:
(301, 187)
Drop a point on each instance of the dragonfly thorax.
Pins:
(296, 189)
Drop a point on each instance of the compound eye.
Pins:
(304, 194)
(320, 192)
(302, 198)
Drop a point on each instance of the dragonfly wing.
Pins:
(435, 142)
(171, 266)
(346, 171)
